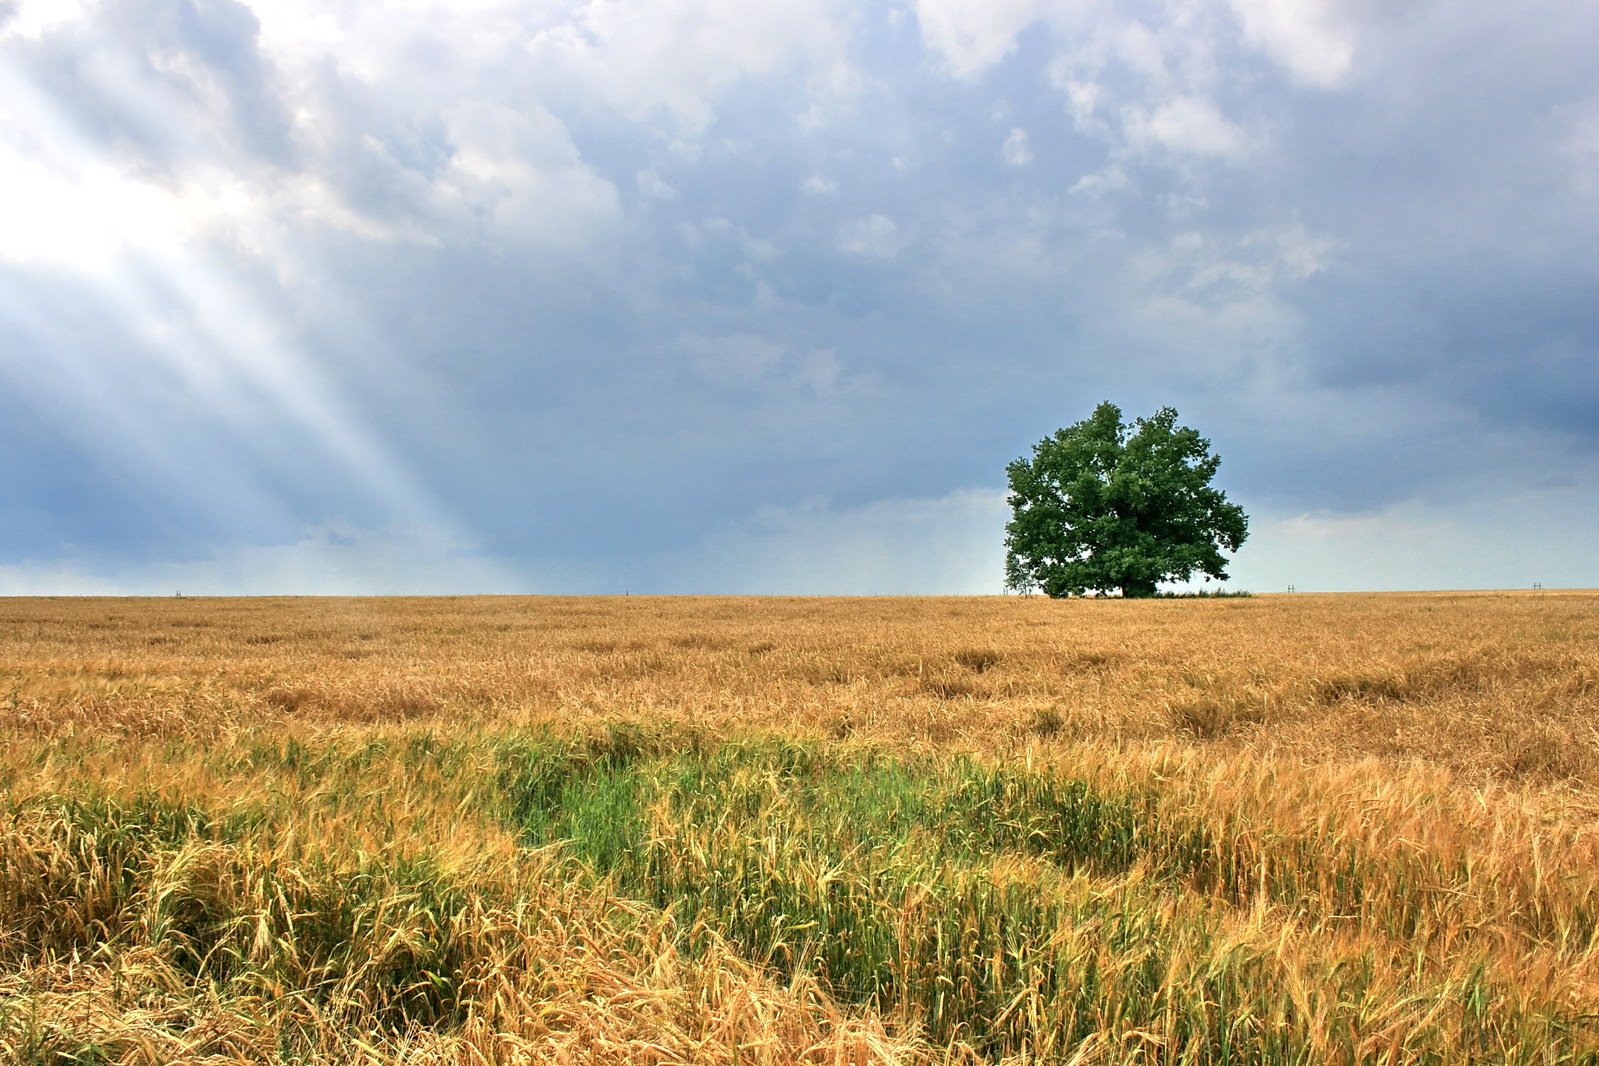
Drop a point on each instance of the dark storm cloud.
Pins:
(1468, 237)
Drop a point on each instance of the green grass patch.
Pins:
(985, 904)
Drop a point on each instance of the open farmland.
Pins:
(1273, 830)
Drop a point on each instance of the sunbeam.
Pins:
(201, 343)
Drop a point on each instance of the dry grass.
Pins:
(1280, 829)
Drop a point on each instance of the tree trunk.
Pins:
(1138, 590)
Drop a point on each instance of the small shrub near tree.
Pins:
(1105, 506)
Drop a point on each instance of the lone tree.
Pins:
(1104, 505)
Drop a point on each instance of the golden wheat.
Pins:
(496, 830)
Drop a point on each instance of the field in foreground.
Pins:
(1275, 830)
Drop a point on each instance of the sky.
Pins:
(675, 296)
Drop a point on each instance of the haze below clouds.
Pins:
(696, 296)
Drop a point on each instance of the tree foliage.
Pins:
(1105, 505)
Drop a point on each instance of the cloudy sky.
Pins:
(720, 296)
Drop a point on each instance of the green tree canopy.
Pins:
(1104, 505)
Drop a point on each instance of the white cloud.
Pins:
(818, 185)
(1112, 179)
(1225, 294)
(1220, 265)
(749, 360)
(33, 18)
(645, 57)
(1187, 125)
(1016, 151)
(973, 35)
(421, 48)
(73, 203)
(1148, 82)
(518, 170)
(494, 73)
(1295, 252)
(1149, 54)
(873, 237)
(1082, 98)
(753, 248)
(653, 185)
(1307, 37)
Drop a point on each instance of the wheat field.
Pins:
(1278, 829)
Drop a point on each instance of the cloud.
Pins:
(1186, 125)
(818, 185)
(874, 237)
(652, 185)
(1016, 151)
(32, 18)
(516, 174)
(1307, 37)
(973, 35)
(750, 362)
(680, 58)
